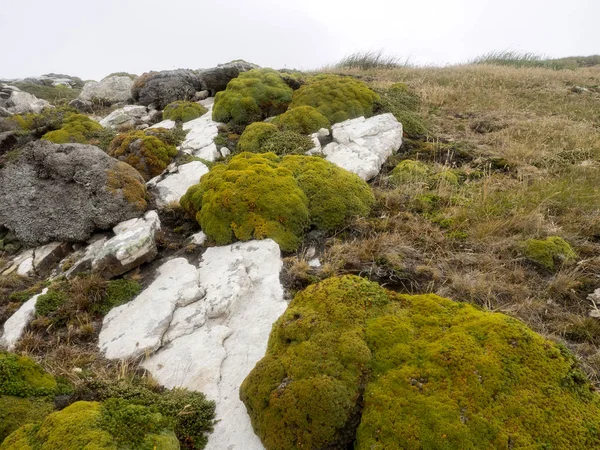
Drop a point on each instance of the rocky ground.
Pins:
(155, 229)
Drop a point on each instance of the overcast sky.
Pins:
(91, 39)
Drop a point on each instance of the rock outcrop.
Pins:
(201, 134)
(109, 91)
(171, 186)
(126, 117)
(216, 78)
(16, 101)
(205, 328)
(64, 192)
(363, 145)
(161, 88)
(13, 328)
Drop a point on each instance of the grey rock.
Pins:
(109, 91)
(15, 101)
(162, 88)
(216, 79)
(64, 192)
(126, 117)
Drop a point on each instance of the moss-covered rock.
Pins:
(302, 119)
(410, 171)
(124, 180)
(145, 152)
(550, 252)
(251, 197)
(255, 135)
(287, 143)
(251, 97)
(337, 98)
(183, 111)
(76, 128)
(352, 364)
(257, 196)
(22, 377)
(334, 194)
(113, 425)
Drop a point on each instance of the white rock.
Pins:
(84, 262)
(20, 102)
(110, 90)
(137, 327)
(174, 185)
(133, 244)
(200, 137)
(130, 116)
(363, 145)
(166, 124)
(17, 323)
(231, 326)
(198, 238)
(315, 263)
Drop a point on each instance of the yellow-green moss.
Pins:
(254, 136)
(446, 177)
(410, 171)
(17, 411)
(303, 120)
(76, 128)
(352, 364)
(404, 105)
(114, 425)
(337, 98)
(249, 198)
(251, 97)
(148, 154)
(183, 111)
(49, 119)
(124, 180)
(550, 252)
(334, 194)
(287, 143)
(22, 377)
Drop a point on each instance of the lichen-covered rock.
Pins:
(251, 97)
(113, 425)
(216, 78)
(162, 88)
(363, 145)
(144, 151)
(126, 117)
(64, 192)
(302, 119)
(183, 111)
(337, 98)
(352, 364)
(16, 101)
(111, 90)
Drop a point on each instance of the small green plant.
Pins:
(255, 135)
(303, 120)
(251, 97)
(410, 171)
(404, 105)
(20, 376)
(337, 98)
(550, 252)
(50, 302)
(183, 111)
(287, 143)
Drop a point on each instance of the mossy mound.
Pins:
(303, 120)
(550, 252)
(49, 119)
(22, 377)
(145, 152)
(404, 105)
(183, 111)
(334, 194)
(410, 171)
(258, 196)
(76, 128)
(124, 180)
(251, 97)
(17, 411)
(287, 143)
(113, 425)
(350, 364)
(337, 98)
(255, 135)
(251, 197)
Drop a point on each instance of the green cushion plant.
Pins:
(302, 119)
(75, 128)
(549, 253)
(255, 135)
(183, 111)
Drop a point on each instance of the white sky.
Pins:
(91, 39)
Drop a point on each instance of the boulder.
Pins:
(216, 79)
(38, 261)
(172, 186)
(126, 117)
(55, 79)
(201, 135)
(133, 245)
(64, 192)
(15, 101)
(166, 124)
(161, 88)
(16, 324)
(204, 329)
(107, 92)
(363, 145)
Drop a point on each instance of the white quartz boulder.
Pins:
(16, 324)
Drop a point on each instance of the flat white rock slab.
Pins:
(16, 324)
(201, 134)
(174, 185)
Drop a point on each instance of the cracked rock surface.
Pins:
(205, 328)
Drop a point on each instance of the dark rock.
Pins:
(216, 79)
(162, 88)
(65, 192)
